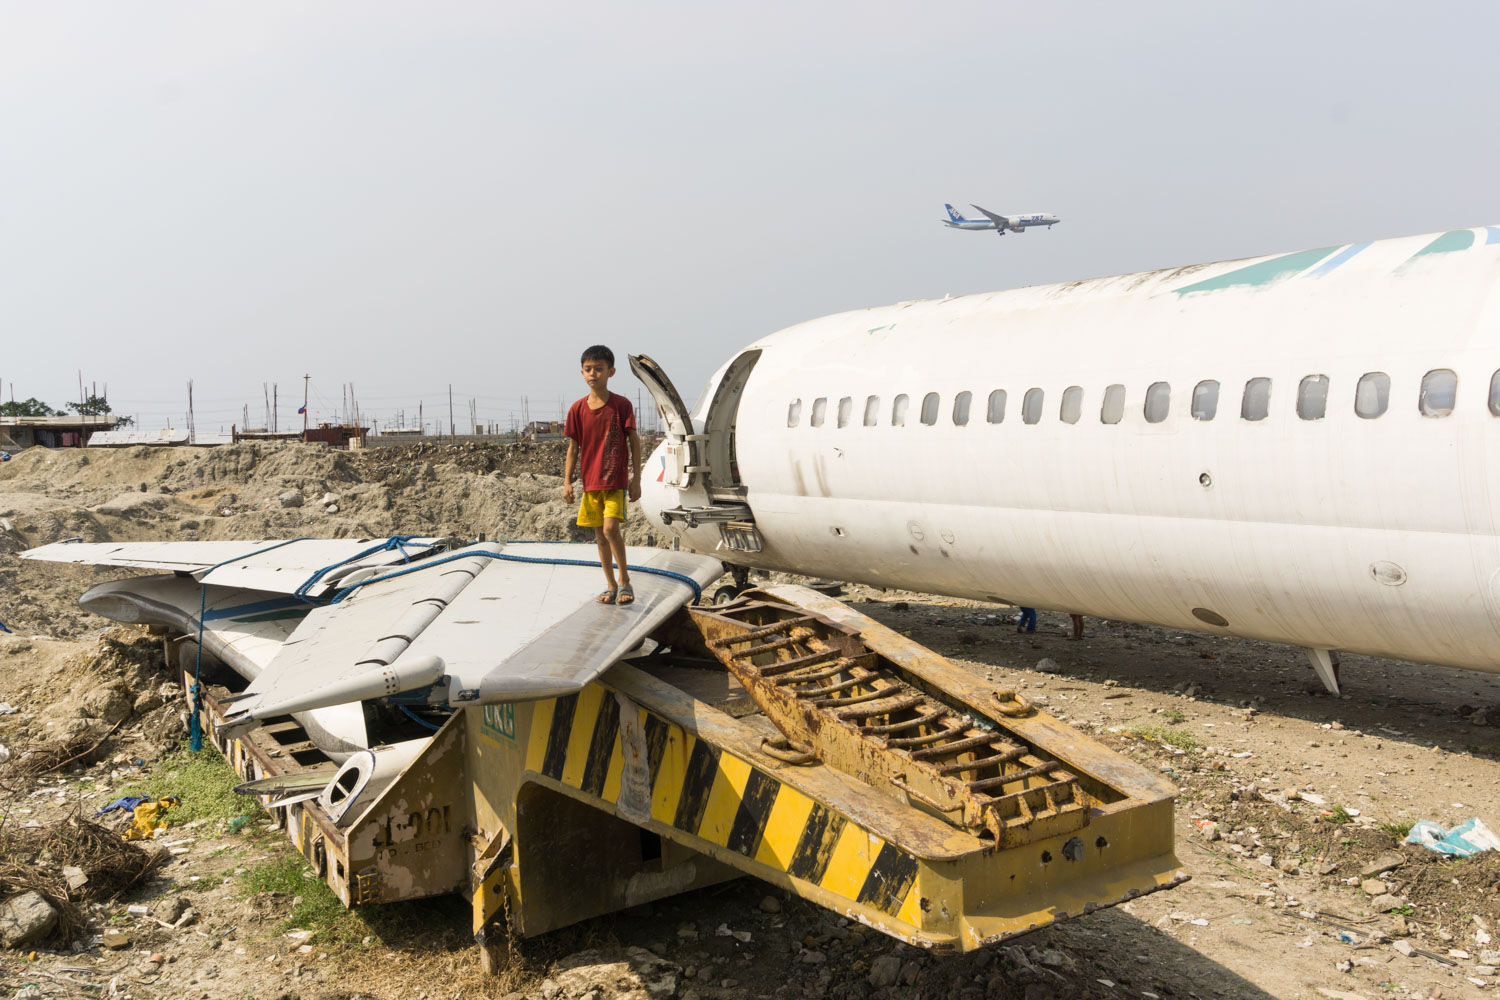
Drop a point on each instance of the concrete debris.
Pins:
(1381, 865)
(26, 919)
(637, 974)
(291, 498)
(883, 971)
(1047, 665)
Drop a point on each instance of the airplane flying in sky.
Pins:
(1296, 448)
(998, 223)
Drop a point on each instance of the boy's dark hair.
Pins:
(598, 353)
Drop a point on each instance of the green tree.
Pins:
(32, 407)
(98, 406)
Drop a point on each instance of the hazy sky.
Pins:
(404, 196)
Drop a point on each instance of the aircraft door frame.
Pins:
(683, 446)
(719, 426)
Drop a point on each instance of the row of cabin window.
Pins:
(1371, 399)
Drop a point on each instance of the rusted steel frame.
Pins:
(817, 675)
(958, 747)
(896, 727)
(778, 629)
(855, 699)
(926, 800)
(974, 765)
(792, 753)
(786, 666)
(767, 647)
(874, 709)
(1021, 796)
(903, 742)
(1006, 779)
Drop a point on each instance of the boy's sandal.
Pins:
(627, 594)
(606, 596)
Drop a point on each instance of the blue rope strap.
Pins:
(195, 725)
(392, 544)
(682, 578)
(5, 630)
(413, 716)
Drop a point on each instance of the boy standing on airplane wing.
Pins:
(601, 432)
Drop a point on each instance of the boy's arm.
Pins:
(569, 464)
(635, 464)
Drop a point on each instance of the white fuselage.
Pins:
(1369, 534)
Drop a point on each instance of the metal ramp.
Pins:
(838, 701)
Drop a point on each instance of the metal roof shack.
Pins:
(340, 435)
(67, 431)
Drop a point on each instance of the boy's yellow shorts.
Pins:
(596, 505)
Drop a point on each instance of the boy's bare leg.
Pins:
(615, 538)
(606, 554)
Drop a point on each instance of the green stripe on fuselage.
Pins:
(1262, 273)
(1459, 239)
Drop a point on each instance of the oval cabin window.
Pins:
(898, 410)
(1158, 402)
(1072, 404)
(1312, 397)
(1439, 389)
(930, 408)
(872, 411)
(820, 410)
(846, 410)
(1372, 395)
(1113, 409)
(794, 413)
(996, 410)
(961, 408)
(1495, 394)
(1031, 406)
(1205, 399)
(1257, 401)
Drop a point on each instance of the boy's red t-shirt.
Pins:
(603, 448)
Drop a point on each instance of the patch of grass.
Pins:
(1175, 716)
(1397, 831)
(205, 783)
(1171, 737)
(1338, 814)
(317, 910)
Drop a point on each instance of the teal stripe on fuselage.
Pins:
(1262, 273)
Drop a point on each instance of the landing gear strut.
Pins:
(730, 591)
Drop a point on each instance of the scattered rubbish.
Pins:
(150, 819)
(1463, 841)
(741, 936)
(237, 822)
(6, 708)
(138, 909)
(125, 803)
(114, 939)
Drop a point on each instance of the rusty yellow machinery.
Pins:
(783, 736)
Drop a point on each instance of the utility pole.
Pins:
(421, 420)
(191, 427)
(452, 433)
(305, 380)
(275, 409)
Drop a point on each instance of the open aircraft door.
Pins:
(684, 448)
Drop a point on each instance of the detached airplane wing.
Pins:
(998, 220)
(488, 623)
(317, 567)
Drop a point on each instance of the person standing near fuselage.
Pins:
(604, 447)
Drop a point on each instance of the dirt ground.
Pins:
(1288, 796)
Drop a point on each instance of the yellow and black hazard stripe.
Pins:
(701, 790)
